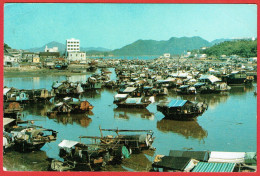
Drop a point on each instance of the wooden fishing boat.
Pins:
(30, 138)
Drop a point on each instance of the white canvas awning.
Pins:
(6, 121)
(129, 89)
(67, 144)
(6, 90)
(227, 157)
(121, 95)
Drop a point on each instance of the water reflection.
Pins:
(81, 119)
(239, 90)
(126, 113)
(185, 128)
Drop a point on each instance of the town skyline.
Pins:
(113, 26)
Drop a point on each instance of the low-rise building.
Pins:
(77, 56)
(49, 55)
(28, 56)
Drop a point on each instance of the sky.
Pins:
(112, 26)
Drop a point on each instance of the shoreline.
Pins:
(39, 73)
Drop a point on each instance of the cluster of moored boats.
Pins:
(137, 86)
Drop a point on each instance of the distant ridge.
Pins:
(152, 47)
(62, 48)
(144, 47)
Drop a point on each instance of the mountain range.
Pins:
(144, 47)
(62, 48)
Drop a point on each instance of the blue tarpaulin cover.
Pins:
(176, 103)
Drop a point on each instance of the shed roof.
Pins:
(176, 103)
(198, 155)
(170, 162)
(214, 167)
(227, 157)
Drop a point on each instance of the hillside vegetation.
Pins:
(242, 48)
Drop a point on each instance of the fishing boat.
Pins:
(12, 109)
(30, 138)
(181, 109)
(71, 105)
(239, 77)
(186, 90)
(133, 103)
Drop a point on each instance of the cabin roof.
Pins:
(211, 78)
(214, 167)
(133, 100)
(67, 144)
(121, 95)
(184, 86)
(129, 89)
(176, 103)
(56, 85)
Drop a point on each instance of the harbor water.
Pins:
(229, 124)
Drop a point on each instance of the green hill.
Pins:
(243, 48)
(152, 47)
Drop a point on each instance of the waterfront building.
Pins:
(72, 45)
(28, 56)
(77, 56)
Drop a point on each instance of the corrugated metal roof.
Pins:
(176, 103)
(214, 167)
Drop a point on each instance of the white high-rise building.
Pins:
(72, 45)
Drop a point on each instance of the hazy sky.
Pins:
(28, 25)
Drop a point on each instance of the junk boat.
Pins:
(123, 101)
(134, 142)
(181, 109)
(71, 105)
(30, 138)
(186, 90)
(64, 89)
(12, 109)
(103, 150)
(90, 157)
(239, 77)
